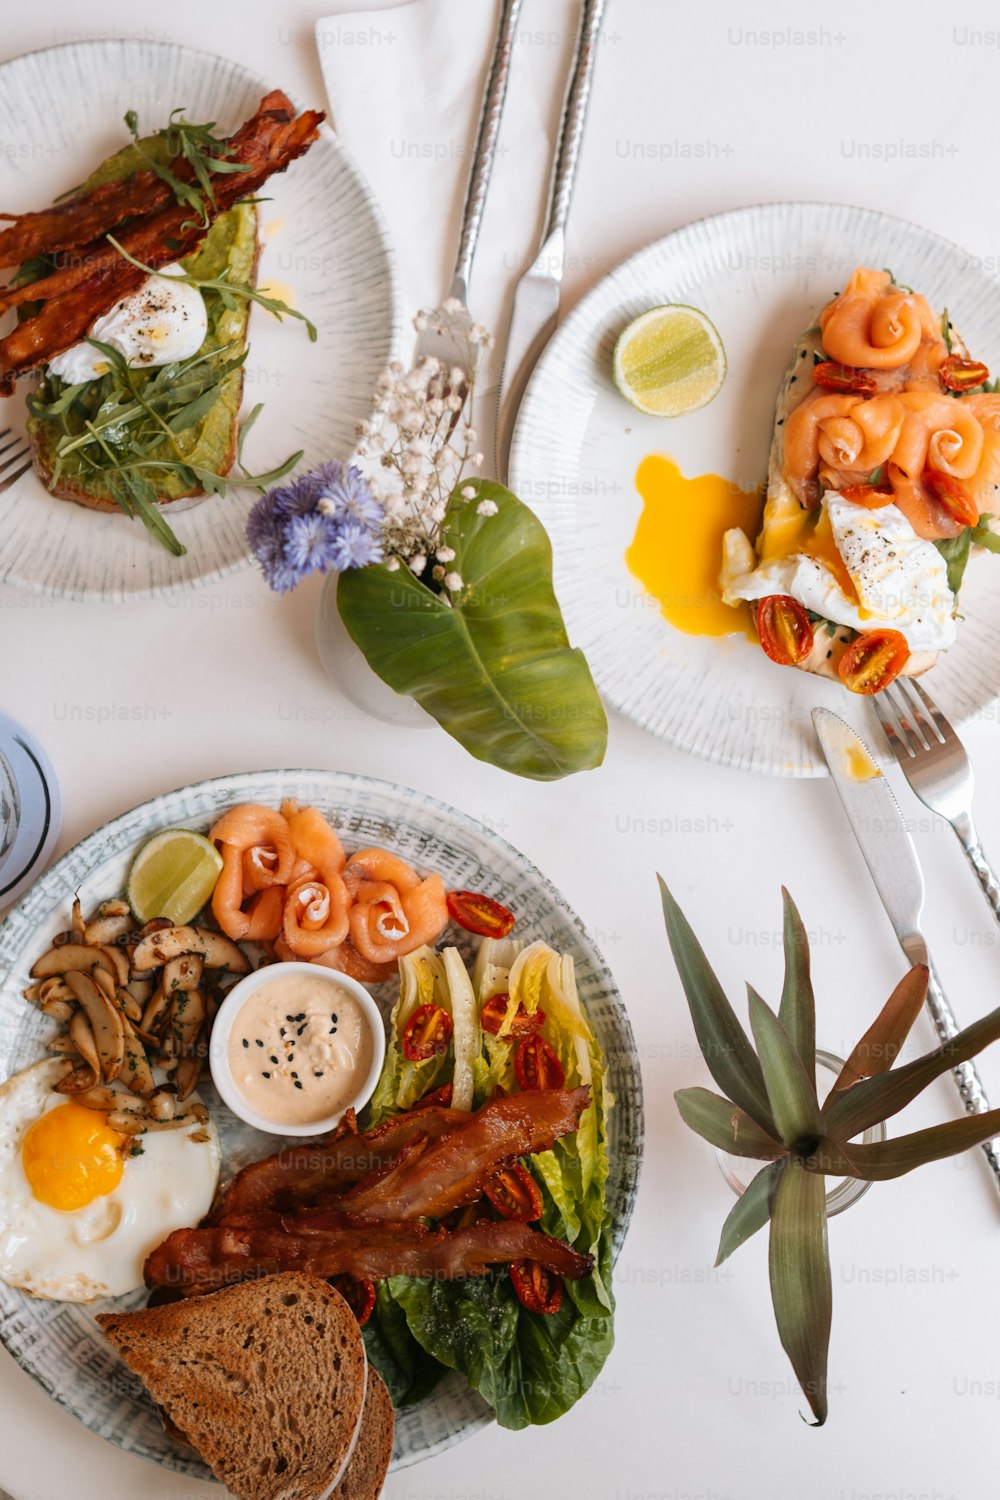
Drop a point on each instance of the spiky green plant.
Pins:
(770, 1109)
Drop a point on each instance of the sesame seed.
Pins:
(295, 1075)
(245, 1042)
(265, 1075)
(258, 1041)
(297, 1084)
(317, 1072)
(273, 1058)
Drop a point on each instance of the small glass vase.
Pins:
(347, 669)
(842, 1191)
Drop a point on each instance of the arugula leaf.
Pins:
(228, 290)
(204, 152)
(955, 551)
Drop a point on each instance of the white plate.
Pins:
(761, 274)
(60, 115)
(58, 1343)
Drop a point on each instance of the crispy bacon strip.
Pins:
(78, 293)
(451, 1171)
(308, 1176)
(201, 1260)
(90, 214)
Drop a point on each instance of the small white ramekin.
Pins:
(218, 1052)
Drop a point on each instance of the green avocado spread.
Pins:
(230, 248)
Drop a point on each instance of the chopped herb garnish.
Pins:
(204, 152)
(229, 291)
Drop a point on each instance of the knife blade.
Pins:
(536, 296)
(891, 856)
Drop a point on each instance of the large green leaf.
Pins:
(731, 1060)
(801, 1288)
(881, 1044)
(881, 1097)
(791, 1091)
(725, 1125)
(883, 1160)
(750, 1212)
(797, 1012)
(494, 668)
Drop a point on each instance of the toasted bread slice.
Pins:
(230, 248)
(265, 1379)
(365, 1473)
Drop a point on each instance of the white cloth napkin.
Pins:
(405, 86)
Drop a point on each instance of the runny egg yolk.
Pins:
(807, 531)
(70, 1157)
(677, 547)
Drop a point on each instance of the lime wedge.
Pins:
(669, 361)
(173, 875)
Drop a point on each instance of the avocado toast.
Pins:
(132, 298)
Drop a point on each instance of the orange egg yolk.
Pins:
(70, 1157)
(676, 553)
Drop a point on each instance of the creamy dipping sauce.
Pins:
(300, 1048)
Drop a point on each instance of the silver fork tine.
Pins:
(934, 762)
(944, 729)
(13, 465)
(921, 726)
(898, 728)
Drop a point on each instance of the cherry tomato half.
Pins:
(524, 1022)
(427, 1032)
(874, 660)
(358, 1294)
(537, 1289)
(784, 629)
(515, 1194)
(871, 496)
(479, 914)
(953, 495)
(834, 377)
(537, 1066)
(957, 374)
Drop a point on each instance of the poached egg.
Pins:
(158, 324)
(866, 569)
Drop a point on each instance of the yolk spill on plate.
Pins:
(676, 552)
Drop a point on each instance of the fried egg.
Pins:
(158, 324)
(871, 571)
(77, 1218)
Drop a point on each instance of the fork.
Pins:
(15, 457)
(446, 335)
(934, 762)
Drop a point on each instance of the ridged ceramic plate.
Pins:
(323, 249)
(59, 1344)
(761, 274)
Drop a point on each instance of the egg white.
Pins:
(159, 323)
(99, 1250)
(901, 579)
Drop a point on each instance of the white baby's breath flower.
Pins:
(392, 563)
(445, 554)
(486, 508)
(418, 563)
(453, 582)
(468, 492)
(452, 305)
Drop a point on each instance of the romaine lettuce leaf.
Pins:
(530, 1368)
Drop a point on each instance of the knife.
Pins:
(536, 296)
(891, 856)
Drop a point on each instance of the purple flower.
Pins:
(357, 546)
(326, 519)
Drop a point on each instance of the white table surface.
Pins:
(879, 107)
